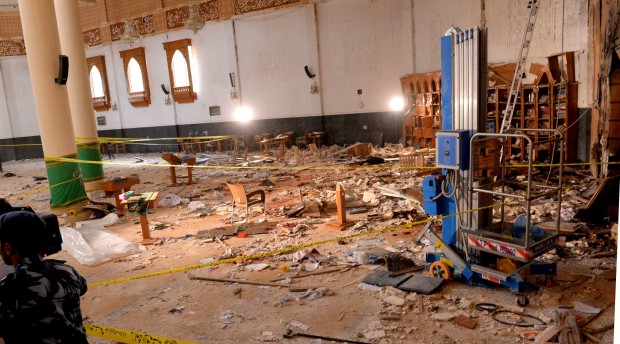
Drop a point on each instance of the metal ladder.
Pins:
(520, 67)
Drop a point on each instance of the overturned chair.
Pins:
(245, 199)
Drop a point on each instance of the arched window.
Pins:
(179, 70)
(136, 76)
(178, 54)
(98, 83)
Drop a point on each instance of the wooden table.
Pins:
(281, 140)
(316, 137)
(175, 160)
(116, 187)
(140, 204)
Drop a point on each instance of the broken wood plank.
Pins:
(547, 334)
(591, 337)
(321, 272)
(574, 331)
(602, 254)
(231, 280)
(601, 329)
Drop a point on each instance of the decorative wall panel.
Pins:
(208, 11)
(116, 30)
(175, 17)
(92, 37)
(245, 6)
(12, 48)
(142, 26)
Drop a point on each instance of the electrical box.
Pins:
(452, 149)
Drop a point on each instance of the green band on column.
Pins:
(66, 185)
(90, 152)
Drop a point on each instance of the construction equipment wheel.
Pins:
(522, 300)
(440, 269)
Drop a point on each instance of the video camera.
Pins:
(52, 240)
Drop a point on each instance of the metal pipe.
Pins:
(498, 193)
(557, 230)
(528, 216)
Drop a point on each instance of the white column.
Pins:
(78, 87)
(51, 103)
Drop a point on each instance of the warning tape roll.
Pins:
(129, 337)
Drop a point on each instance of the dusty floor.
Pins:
(174, 306)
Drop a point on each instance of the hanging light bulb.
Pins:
(194, 22)
(129, 36)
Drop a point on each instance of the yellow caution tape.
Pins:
(137, 139)
(36, 191)
(129, 337)
(21, 144)
(283, 250)
(207, 167)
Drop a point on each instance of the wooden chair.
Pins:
(302, 140)
(245, 199)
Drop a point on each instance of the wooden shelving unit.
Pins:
(422, 93)
(550, 103)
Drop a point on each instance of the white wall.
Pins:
(210, 67)
(19, 97)
(273, 50)
(348, 44)
(6, 130)
(363, 45)
(560, 26)
(432, 19)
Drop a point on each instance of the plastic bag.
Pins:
(518, 229)
(171, 199)
(93, 245)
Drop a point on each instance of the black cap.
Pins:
(23, 229)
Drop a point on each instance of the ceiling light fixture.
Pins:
(129, 36)
(194, 22)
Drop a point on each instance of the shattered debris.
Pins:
(195, 220)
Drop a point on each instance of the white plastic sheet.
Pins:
(93, 245)
(108, 220)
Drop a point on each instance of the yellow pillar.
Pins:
(78, 87)
(51, 102)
